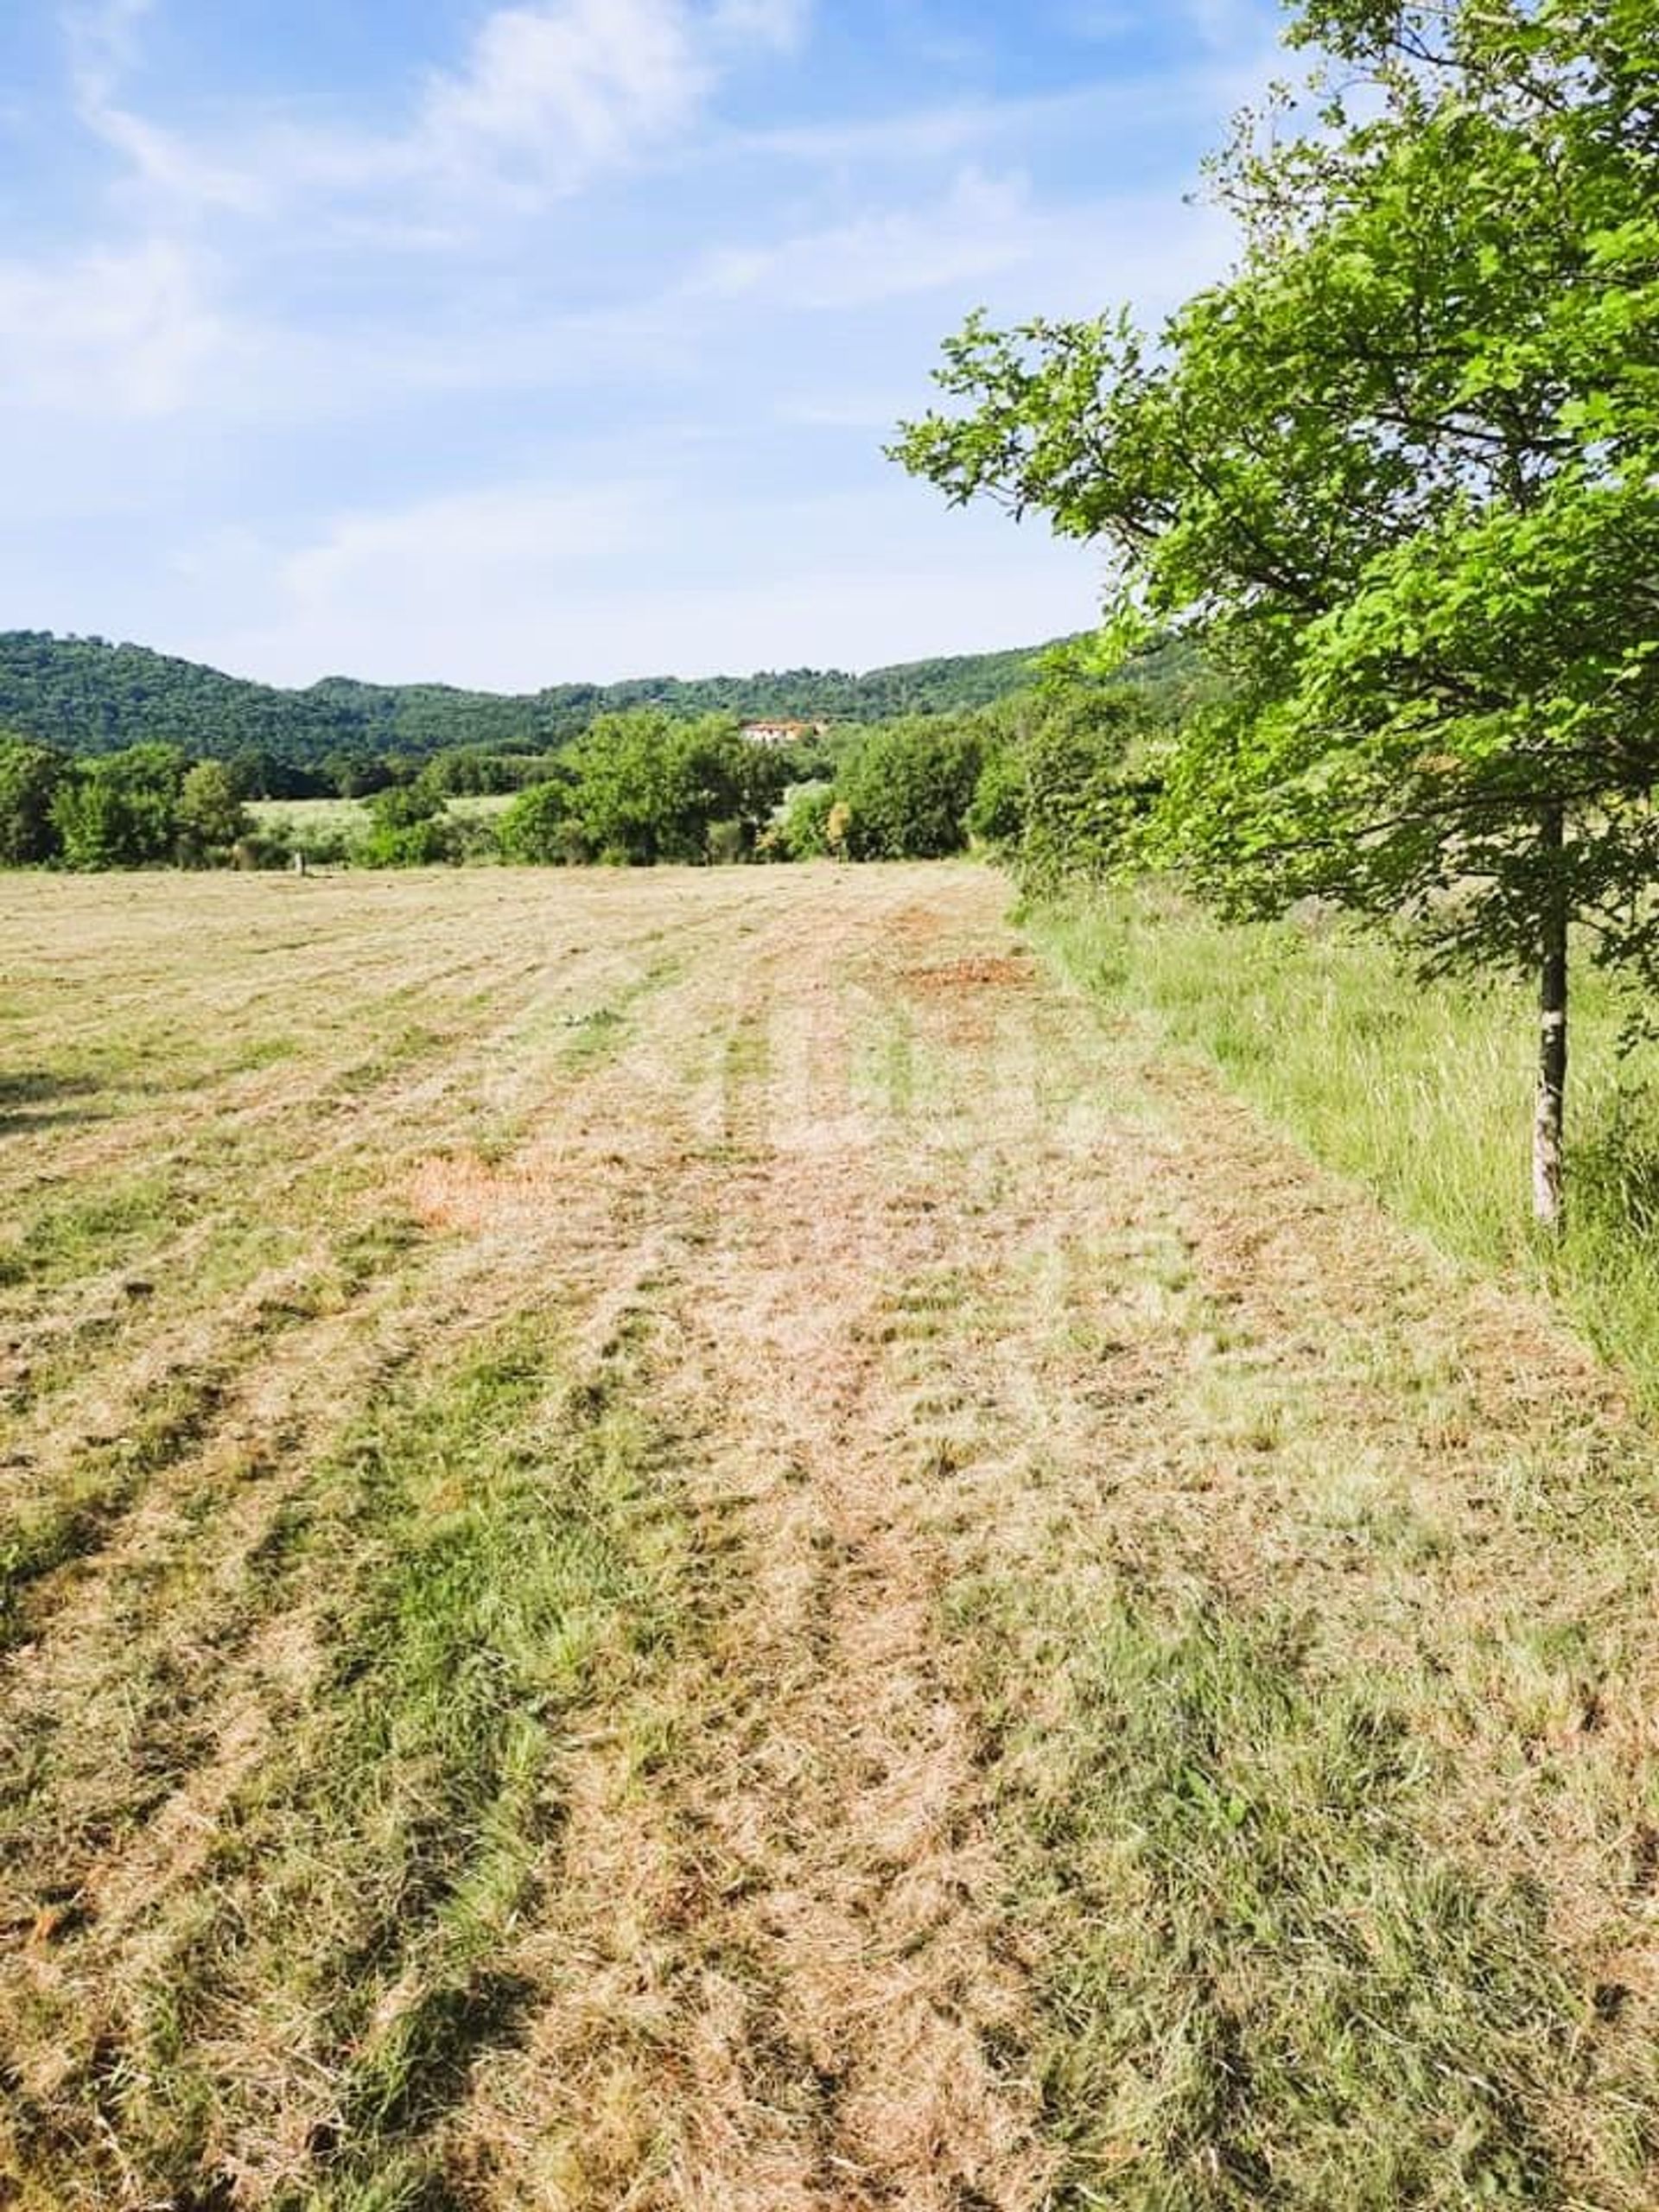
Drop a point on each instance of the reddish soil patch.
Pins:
(1008, 973)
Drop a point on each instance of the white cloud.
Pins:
(547, 97)
(529, 585)
(457, 583)
(572, 89)
(979, 227)
(103, 37)
(355, 323)
(104, 43)
(123, 332)
(475, 539)
(1115, 106)
(544, 99)
(1066, 258)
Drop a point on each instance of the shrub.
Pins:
(996, 813)
(804, 832)
(907, 790)
(425, 843)
(121, 810)
(539, 829)
(210, 818)
(1083, 770)
(262, 849)
(726, 843)
(29, 777)
(409, 828)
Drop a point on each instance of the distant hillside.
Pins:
(89, 696)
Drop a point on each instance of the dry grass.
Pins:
(682, 1542)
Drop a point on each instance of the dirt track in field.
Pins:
(940, 1276)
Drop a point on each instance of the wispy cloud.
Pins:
(521, 584)
(547, 98)
(123, 333)
(979, 227)
(104, 38)
(544, 102)
(558, 93)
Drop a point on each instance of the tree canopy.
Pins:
(643, 787)
(1399, 472)
(908, 787)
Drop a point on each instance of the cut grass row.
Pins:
(1421, 1092)
(1311, 1658)
(496, 1540)
(197, 1228)
(331, 1676)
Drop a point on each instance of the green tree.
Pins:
(645, 788)
(804, 832)
(1069, 784)
(996, 813)
(210, 818)
(409, 827)
(1401, 473)
(908, 788)
(358, 773)
(121, 810)
(539, 828)
(632, 796)
(29, 777)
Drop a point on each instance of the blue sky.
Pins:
(513, 345)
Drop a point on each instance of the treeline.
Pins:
(1046, 780)
(146, 806)
(1036, 778)
(83, 696)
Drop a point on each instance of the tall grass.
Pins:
(1420, 1091)
(1264, 1982)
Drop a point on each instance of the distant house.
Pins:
(782, 733)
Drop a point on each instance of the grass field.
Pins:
(348, 818)
(701, 1540)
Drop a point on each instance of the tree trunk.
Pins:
(1548, 1167)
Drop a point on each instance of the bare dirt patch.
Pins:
(1008, 972)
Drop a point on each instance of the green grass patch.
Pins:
(86, 1232)
(497, 1546)
(49, 1532)
(887, 1066)
(597, 1034)
(309, 817)
(1264, 1981)
(1420, 1091)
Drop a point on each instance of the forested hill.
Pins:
(86, 696)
